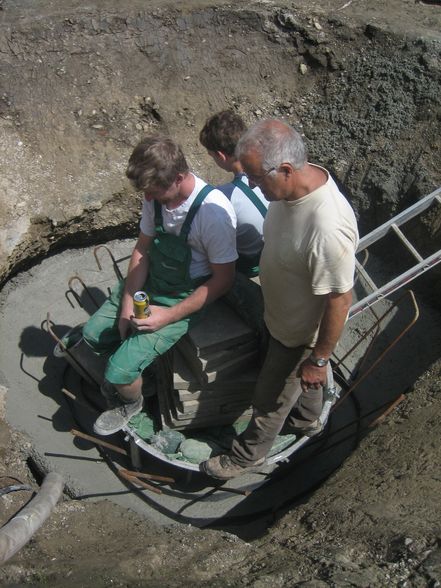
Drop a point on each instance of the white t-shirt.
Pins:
(309, 251)
(249, 234)
(212, 236)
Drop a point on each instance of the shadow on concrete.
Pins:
(200, 501)
(39, 343)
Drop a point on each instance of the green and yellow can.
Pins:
(141, 305)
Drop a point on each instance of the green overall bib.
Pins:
(245, 296)
(168, 283)
(249, 264)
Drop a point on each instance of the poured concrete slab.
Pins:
(36, 405)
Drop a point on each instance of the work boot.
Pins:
(308, 430)
(114, 419)
(222, 468)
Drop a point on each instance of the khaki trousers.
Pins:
(278, 397)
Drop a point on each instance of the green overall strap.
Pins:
(158, 217)
(251, 195)
(193, 210)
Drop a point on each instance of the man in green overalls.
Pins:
(219, 136)
(184, 258)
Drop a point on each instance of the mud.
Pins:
(79, 85)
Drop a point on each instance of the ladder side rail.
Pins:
(399, 219)
(396, 283)
(360, 271)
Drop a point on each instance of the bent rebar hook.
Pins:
(75, 294)
(114, 263)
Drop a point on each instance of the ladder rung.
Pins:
(360, 269)
(406, 242)
(422, 266)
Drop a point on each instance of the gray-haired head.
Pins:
(275, 142)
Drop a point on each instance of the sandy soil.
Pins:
(370, 105)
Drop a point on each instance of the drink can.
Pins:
(141, 305)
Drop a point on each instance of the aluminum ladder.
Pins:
(393, 226)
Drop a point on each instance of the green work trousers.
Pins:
(131, 356)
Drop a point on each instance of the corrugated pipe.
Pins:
(20, 529)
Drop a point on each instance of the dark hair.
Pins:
(156, 161)
(222, 131)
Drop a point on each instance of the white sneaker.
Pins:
(113, 420)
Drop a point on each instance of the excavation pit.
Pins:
(361, 81)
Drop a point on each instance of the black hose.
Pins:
(14, 488)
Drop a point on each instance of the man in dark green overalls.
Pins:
(219, 136)
(184, 258)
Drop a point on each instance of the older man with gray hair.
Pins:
(306, 271)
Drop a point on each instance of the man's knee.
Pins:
(121, 373)
(90, 335)
(96, 338)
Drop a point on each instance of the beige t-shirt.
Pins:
(309, 251)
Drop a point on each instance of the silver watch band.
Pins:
(318, 361)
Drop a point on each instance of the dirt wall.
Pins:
(82, 83)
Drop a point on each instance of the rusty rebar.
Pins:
(232, 490)
(66, 350)
(387, 412)
(86, 289)
(79, 402)
(96, 441)
(136, 481)
(148, 476)
(388, 348)
(114, 263)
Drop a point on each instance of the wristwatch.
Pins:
(318, 361)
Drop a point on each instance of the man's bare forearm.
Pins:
(332, 323)
(219, 283)
(216, 286)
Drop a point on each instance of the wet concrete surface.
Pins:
(37, 406)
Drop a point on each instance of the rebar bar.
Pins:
(86, 289)
(96, 441)
(114, 263)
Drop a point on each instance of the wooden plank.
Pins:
(208, 362)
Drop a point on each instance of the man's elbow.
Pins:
(224, 278)
(227, 283)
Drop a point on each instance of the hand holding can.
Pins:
(141, 305)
